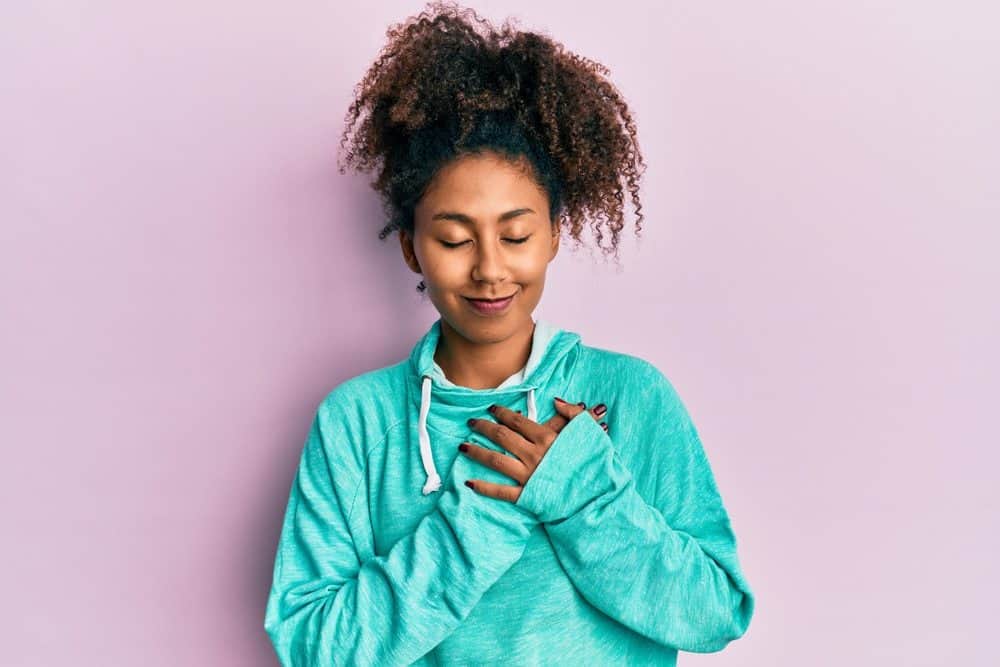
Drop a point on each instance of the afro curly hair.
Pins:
(448, 83)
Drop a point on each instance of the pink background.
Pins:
(184, 275)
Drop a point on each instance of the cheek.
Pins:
(441, 266)
(531, 267)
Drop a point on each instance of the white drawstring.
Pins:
(426, 456)
(433, 479)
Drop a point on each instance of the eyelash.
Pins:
(455, 245)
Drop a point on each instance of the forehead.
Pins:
(482, 182)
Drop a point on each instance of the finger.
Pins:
(506, 465)
(532, 430)
(505, 437)
(567, 410)
(498, 491)
(556, 422)
(559, 420)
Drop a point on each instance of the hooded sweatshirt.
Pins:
(619, 549)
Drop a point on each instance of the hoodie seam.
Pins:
(364, 470)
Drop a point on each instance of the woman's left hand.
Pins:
(526, 439)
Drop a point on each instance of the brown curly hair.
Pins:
(448, 83)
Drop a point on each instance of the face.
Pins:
(482, 231)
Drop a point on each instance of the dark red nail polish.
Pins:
(469, 484)
(472, 421)
(463, 447)
(582, 404)
(604, 426)
(600, 409)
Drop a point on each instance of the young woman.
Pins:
(465, 506)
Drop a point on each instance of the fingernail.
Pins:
(600, 409)
(463, 447)
(469, 484)
(472, 421)
(492, 409)
(582, 404)
(604, 426)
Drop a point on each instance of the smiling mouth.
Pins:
(502, 298)
(491, 307)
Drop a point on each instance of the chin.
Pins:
(480, 329)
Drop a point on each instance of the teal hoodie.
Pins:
(619, 549)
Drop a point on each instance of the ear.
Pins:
(555, 240)
(409, 255)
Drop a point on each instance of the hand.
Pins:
(526, 439)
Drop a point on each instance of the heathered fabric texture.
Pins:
(618, 551)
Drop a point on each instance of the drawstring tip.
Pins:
(433, 483)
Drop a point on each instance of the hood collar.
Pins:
(549, 345)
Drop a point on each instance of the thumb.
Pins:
(567, 410)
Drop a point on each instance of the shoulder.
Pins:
(621, 368)
(357, 413)
(632, 380)
(358, 392)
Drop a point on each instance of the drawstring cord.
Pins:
(433, 479)
(433, 482)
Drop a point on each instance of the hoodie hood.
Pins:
(550, 349)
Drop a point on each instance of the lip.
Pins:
(490, 307)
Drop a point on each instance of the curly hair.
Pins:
(448, 83)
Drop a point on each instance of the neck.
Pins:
(482, 365)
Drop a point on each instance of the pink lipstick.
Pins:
(490, 307)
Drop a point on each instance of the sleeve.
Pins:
(327, 605)
(667, 568)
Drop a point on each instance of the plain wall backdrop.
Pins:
(184, 275)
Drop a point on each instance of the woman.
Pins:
(464, 506)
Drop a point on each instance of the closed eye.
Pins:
(446, 244)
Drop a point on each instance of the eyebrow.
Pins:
(461, 217)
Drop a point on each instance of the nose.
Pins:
(489, 263)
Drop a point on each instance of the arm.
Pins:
(668, 568)
(328, 607)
